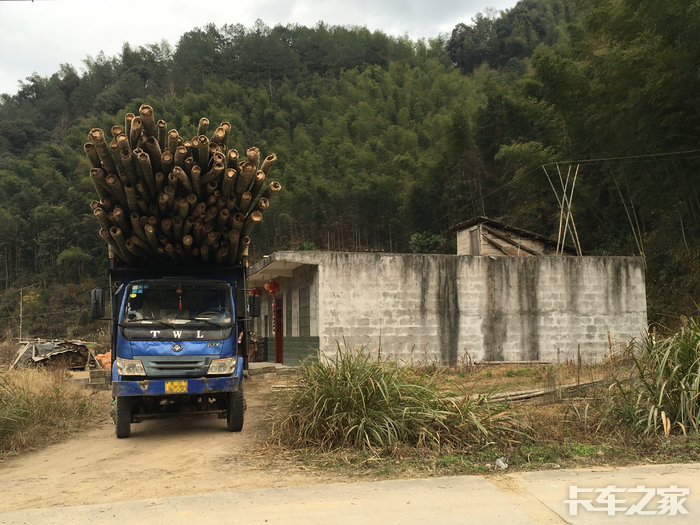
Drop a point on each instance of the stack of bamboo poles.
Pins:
(164, 199)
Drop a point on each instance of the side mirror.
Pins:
(254, 305)
(97, 303)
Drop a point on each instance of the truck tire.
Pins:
(122, 417)
(235, 410)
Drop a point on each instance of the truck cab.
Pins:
(178, 343)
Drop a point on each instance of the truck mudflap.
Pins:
(166, 387)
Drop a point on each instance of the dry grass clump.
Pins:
(38, 407)
(662, 395)
(351, 400)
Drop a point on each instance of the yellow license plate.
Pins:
(176, 387)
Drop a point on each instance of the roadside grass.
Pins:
(645, 411)
(353, 400)
(39, 407)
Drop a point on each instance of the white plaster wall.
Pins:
(443, 308)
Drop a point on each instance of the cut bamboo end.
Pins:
(268, 163)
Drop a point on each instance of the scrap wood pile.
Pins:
(58, 354)
(164, 199)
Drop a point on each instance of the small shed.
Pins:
(484, 236)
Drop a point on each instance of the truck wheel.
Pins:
(122, 417)
(235, 410)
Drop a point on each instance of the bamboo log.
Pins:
(245, 177)
(232, 159)
(253, 218)
(221, 254)
(92, 155)
(120, 241)
(148, 120)
(127, 161)
(163, 204)
(120, 216)
(107, 203)
(204, 252)
(143, 245)
(151, 236)
(97, 137)
(137, 226)
(187, 242)
(167, 161)
(166, 226)
(228, 183)
(189, 164)
(127, 124)
(177, 227)
(101, 217)
(182, 208)
(173, 141)
(258, 182)
(98, 180)
(262, 205)
(212, 212)
(187, 226)
(182, 201)
(159, 181)
(198, 231)
(135, 250)
(105, 234)
(195, 179)
(162, 128)
(130, 193)
(244, 202)
(154, 153)
(182, 178)
(115, 186)
(253, 156)
(222, 218)
(203, 151)
(219, 136)
(227, 130)
(135, 132)
(237, 220)
(123, 142)
(199, 210)
(242, 248)
(213, 175)
(272, 190)
(191, 200)
(147, 171)
(203, 126)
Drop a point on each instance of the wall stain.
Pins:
(528, 283)
(494, 325)
(448, 308)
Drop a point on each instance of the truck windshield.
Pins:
(177, 303)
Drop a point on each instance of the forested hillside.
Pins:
(384, 143)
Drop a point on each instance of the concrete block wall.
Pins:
(447, 308)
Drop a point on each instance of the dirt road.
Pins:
(163, 458)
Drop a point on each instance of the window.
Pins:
(305, 312)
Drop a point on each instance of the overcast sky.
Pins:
(38, 36)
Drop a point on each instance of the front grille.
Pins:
(176, 366)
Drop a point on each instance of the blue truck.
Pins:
(179, 341)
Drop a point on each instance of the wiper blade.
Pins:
(209, 322)
(145, 323)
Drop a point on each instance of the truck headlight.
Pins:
(222, 366)
(130, 367)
